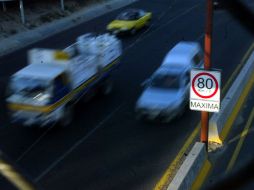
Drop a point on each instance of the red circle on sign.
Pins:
(196, 92)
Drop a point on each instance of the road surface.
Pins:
(106, 148)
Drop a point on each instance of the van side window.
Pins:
(61, 84)
(197, 58)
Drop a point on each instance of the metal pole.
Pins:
(4, 7)
(62, 5)
(22, 14)
(207, 66)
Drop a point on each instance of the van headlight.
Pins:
(42, 98)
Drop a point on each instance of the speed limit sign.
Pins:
(205, 90)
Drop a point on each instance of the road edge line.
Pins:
(173, 165)
(203, 173)
(237, 108)
(240, 142)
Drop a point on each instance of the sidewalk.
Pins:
(47, 24)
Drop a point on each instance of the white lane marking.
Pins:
(177, 17)
(162, 26)
(35, 143)
(80, 141)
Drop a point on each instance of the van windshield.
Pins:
(166, 81)
(28, 87)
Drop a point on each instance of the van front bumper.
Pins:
(28, 118)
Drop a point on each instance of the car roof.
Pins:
(41, 71)
(178, 70)
(132, 10)
(182, 53)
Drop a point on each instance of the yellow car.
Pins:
(130, 21)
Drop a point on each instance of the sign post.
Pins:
(205, 96)
(207, 66)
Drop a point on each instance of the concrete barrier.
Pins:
(190, 168)
(217, 129)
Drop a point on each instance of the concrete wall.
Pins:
(218, 120)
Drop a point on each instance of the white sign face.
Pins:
(205, 90)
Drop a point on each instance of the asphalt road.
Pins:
(106, 148)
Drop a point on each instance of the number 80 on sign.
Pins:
(205, 90)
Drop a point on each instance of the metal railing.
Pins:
(21, 7)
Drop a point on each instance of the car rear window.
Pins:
(130, 15)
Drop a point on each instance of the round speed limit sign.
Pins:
(205, 90)
(205, 85)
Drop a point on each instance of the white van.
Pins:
(166, 92)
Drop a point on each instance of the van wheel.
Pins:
(100, 70)
(67, 117)
(107, 87)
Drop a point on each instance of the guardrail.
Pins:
(21, 7)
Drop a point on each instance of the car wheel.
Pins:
(133, 31)
(148, 23)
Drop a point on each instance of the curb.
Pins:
(23, 39)
(190, 168)
(217, 129)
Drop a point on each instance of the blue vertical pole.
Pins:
(62, 5)
(22, 14)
